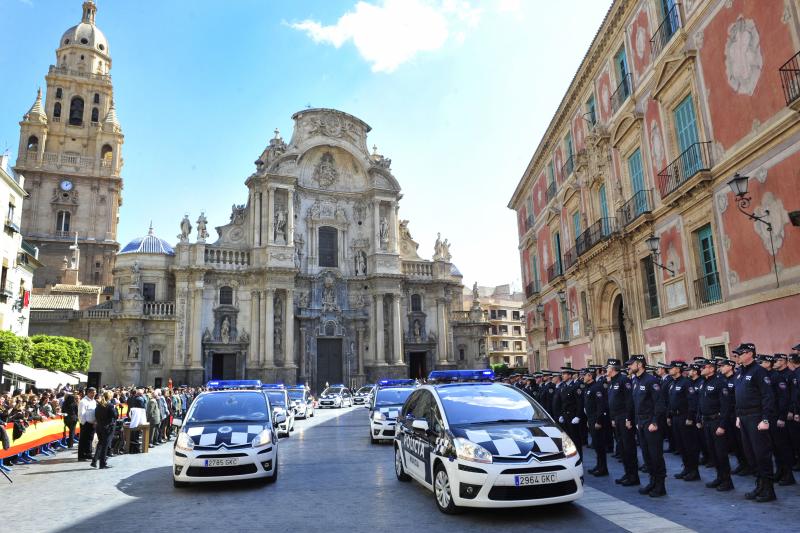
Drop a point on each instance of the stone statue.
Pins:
(303, 300)
(475, 292)
(280, 226)
(225, 331)
(136, 274)
(361, 263)
(446, 251)
(202, 233)
(278, 338)
(437, 247)
(325, 172)
(186, 229)
(329, 294)
(417, 330)
(298, 250)
(384, 230)
(133, 348)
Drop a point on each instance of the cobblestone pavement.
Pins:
(332, 479)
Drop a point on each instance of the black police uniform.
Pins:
(547, 397)
(595, 404)
(669, 429)
(705, 457)
(648, 403)
(735, 435)
(784, 458)
(714, 411)
(794, 426)
(682, 412)
(568, 405)
(755, 402)
(620, 408)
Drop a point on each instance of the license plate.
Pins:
(222, 462)
(536, 479)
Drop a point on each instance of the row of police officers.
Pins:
(747, 406)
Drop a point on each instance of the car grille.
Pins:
(533, 492)
(238, 470)
(534, 469)
(220, 455)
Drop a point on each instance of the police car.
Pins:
(362, 395)
(279, 399)
(475, 443)
(227, 434)
(302, 401)
(335, 396)
(385, 406)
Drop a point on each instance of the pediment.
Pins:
(670, 68)
(628, 124)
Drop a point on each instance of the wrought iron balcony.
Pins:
(696, 158)
(570, 258)
(790, 79)
(668, 27)
(531, 290)
(708, 290)
(551, 191)
(568, 168)
(622, 93)
(638, 204)
(594, 234)
(553, 271)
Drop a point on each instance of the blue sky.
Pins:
(458, 94)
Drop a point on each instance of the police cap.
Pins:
(796, 347)
(677, 363)
(777, 356)
(744, 347)
(567, 370)
(616, 363)
(765, 358)
(638, 358)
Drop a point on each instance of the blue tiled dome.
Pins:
(149, 244)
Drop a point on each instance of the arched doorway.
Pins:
(618, 327)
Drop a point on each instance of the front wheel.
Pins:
(399, 471)
(441, 491)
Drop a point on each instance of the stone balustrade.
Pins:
(418, 269)
(227, 258)
(158, 308)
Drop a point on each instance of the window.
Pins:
(95, 115)
(96, 279)
(637, 183)
(504, 330)
(328, 247)
(519, 362)
(493, 314)
(76, 111)
(57, 110)
(709, 290)
(568, 145)
(717, 350)
(3, 278)
(156, 357)
(59, 93)
(494, 330)
(621, 68)
(225, 296)
(591, 111)
(585, 313)
(461, 355)
(62, 221)
(517, 346)
(603, 202)
(416, 302)
(106, 152)
(515, 315)
(10, 213)
(557, 253)
(686, 132)
(536, 280)
(576, 224)
(149, 292)
(650, 288)
(551, 176)
(96, 98)
(502, 313)
(504, 344)
(517, 330)
(33, 143)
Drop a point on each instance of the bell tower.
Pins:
(70, 154)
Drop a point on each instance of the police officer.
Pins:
(648, 404)
(782, 379)
(620, 409)
(714, 414)
(549, 393)
(682, 412)
(727, 369)
(568, 405)
(755, 412)
(695, 369)
(595, 405)
(669, 431)
(794, 421)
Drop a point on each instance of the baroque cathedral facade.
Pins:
(313, 279)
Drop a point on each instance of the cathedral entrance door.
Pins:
(329, 363)
(223, 366)
(418, 365)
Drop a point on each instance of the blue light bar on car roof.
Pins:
(219, 384)
(273, 386)
(461, 375)
(396, 382)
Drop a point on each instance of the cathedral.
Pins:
(314, 278)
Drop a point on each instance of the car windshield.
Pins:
(392, 397)
(296, 394)
(277, 398)
(332, 391)
(364, 390)
(229, 407)
(479, 404)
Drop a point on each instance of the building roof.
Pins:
(149, 244)
(81, 289)
(36, 112)
(86, 33)
(54, 301)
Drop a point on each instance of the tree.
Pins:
(52, 356)
(11, 349)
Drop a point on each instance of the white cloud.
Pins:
(391, 33)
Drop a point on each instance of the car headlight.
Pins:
(469, 451)
(378, 416)
(569, 447)
(184, 443)
(262, 439)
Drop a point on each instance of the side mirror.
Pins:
(420, 424)
(280, 418)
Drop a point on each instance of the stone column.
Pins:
(288, 328)
(394, 245)
(360, 348)
(270, 215)
(197, 319)
(303, 354)
(254, 323)
(376, 220)
(378, 352)
(442, 331)
(397, 326)
(269, 332)
(290, 219)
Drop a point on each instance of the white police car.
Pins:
(483, 444)
(227, 434)
(363, 395)
(279, 400)
(301, 400)
(387, 402)
(335, 396)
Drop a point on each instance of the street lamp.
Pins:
(653, 245)
(738, 185)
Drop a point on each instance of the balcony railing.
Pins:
(417, 269)
(665, 31)
(696, 158)
(638, 204)
(622, 93)
(570, 258)
(551, 191)
(79, 73)
(158, 308)
(790, 79)
(553, 271)
(531, 290)
(59, 160)
(594, 234)
(708, 290)
(30, 249)
(562, 335)
(568, 167)
(222, 258)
